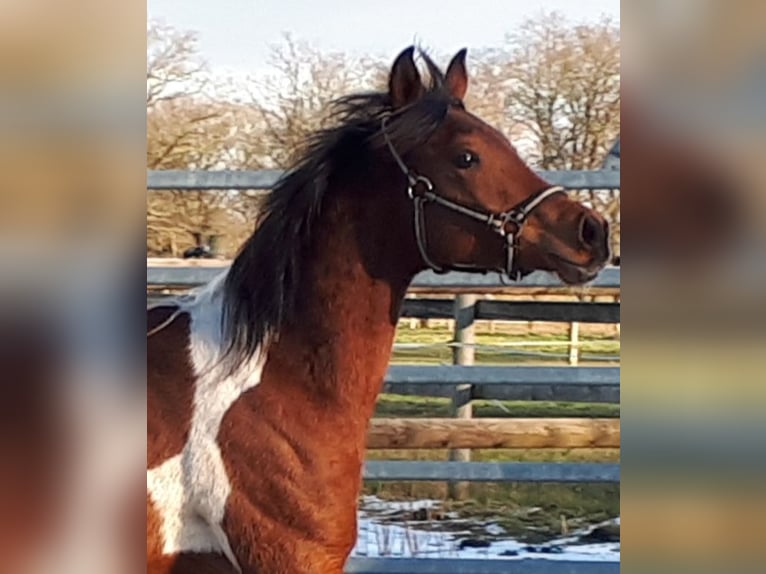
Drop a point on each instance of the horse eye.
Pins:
(466, 159)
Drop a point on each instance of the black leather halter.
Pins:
(420, 191)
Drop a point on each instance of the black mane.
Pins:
(263, 281)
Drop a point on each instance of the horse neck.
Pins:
(358, 267)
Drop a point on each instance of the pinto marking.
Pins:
(190, 490)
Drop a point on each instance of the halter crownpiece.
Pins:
(420, 190)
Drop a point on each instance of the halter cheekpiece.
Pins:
(420, 190)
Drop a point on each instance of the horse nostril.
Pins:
(592, 231)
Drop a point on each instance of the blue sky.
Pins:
(236, 34)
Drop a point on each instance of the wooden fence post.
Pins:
(413, 321)
(574, 340)
(462, 354)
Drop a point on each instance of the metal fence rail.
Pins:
(185, 277)
(565, 311)
(266, 178)
(517, 383)
(359, 565)
(407, 470)
(496, 375)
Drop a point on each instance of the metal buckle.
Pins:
(414, 181)
(517, 216)
(499, 221)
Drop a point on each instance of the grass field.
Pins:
(433, 347)
(532, 512)
(405, 406)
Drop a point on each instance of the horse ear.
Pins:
(404, 83)
(456, 77)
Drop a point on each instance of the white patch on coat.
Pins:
(189, 490)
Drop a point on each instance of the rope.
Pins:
(165, 323)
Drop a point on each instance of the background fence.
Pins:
(463, 381)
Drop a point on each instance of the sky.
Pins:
(235, 35)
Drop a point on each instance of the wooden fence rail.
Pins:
(493, 433)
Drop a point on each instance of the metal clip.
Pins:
(414, 181)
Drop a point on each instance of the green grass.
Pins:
(390, 405)
(440, 353)
(529, 511)
(408, 406)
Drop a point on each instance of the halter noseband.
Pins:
(497, 222)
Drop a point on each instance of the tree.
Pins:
(187, 128)
(293, 99)
(561, 85)
(553, 89)
(180, 118)
(195, 121)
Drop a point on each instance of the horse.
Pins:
(261, 385)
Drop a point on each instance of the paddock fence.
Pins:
(461, 299)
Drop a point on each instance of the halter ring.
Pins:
(414, 181)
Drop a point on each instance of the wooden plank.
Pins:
(435, 433)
